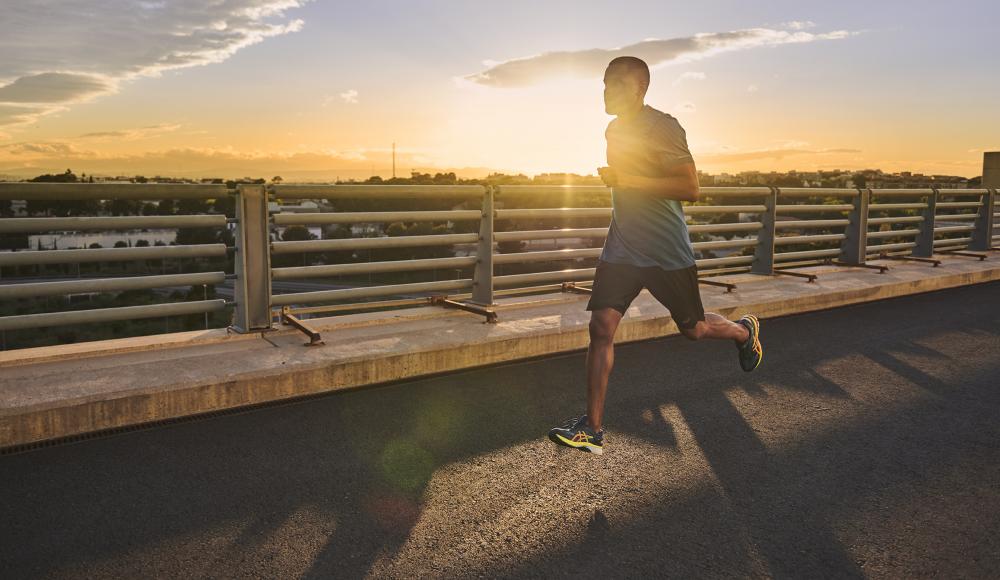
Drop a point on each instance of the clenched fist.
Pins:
(609, 176)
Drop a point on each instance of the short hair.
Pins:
(633, 66)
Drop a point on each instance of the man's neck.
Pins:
(632, 113)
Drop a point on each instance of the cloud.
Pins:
(799, 24)
(16, 115)
(689, 76)
(47, 88)
(350, 96)
(45, 149)
(64, 52)
(133, 134)
(590, 63)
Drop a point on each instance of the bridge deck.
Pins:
(866, 446)
(61, 391)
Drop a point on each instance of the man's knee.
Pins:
(602, 329)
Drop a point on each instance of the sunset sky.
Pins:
(315, 90)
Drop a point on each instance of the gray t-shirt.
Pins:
(647, 230)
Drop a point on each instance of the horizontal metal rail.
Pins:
(816, 192)
(710, 272)
(554, 212)
(81, 191)
(550, 234)
(372, 267)
(953, 229)
(568, 254)
(955, 217)
(893, 234)
(376, 191)
(33, 289)
(953, 192)
(47, 319)
(875, 249)
(603, 232)
(895, 220)
(30, 257)
(553, 190)
(901, 192)
(888, 206)
(371, 243)
(714, 209)
(784, 256)
(369, 292)
(950, 241)
(734, 191)
(808, 224)
(723, 244)
(803, 208)
(719, 262)
(786, 240)
(957, 204)
(724, 228)
(79, 224)
(544, 277)
(367, 217)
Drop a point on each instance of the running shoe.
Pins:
(751, 352)
(577, 433)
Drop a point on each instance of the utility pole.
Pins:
(394, 160)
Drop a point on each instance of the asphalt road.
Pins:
(867, 445)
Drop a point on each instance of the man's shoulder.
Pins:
(664, 121)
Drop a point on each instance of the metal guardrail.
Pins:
(14, 290)
(761, 227)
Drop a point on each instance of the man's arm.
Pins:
(680, 183)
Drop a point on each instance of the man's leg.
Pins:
(678, 290)
(615, 287)
(600, 359)
(717, 327)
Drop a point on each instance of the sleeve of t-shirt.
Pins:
(668, 143)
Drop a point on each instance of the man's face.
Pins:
(622, 91)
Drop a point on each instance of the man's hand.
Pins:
(679, 183)
(609, 176)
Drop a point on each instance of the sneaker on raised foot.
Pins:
(751, 352)
(577, 433)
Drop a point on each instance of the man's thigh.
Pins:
(615, 286)
(678, 291)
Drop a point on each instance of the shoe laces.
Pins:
(755, 335)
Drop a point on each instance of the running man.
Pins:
(650, 172)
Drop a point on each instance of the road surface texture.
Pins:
(867, 445)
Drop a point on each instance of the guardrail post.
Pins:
(982, 236)
(925, 239)
(252, 287)
(482, 277)
(855, 246)
(763, 256)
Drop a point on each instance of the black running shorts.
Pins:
(617, 285)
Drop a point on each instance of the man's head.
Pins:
(625, 82)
